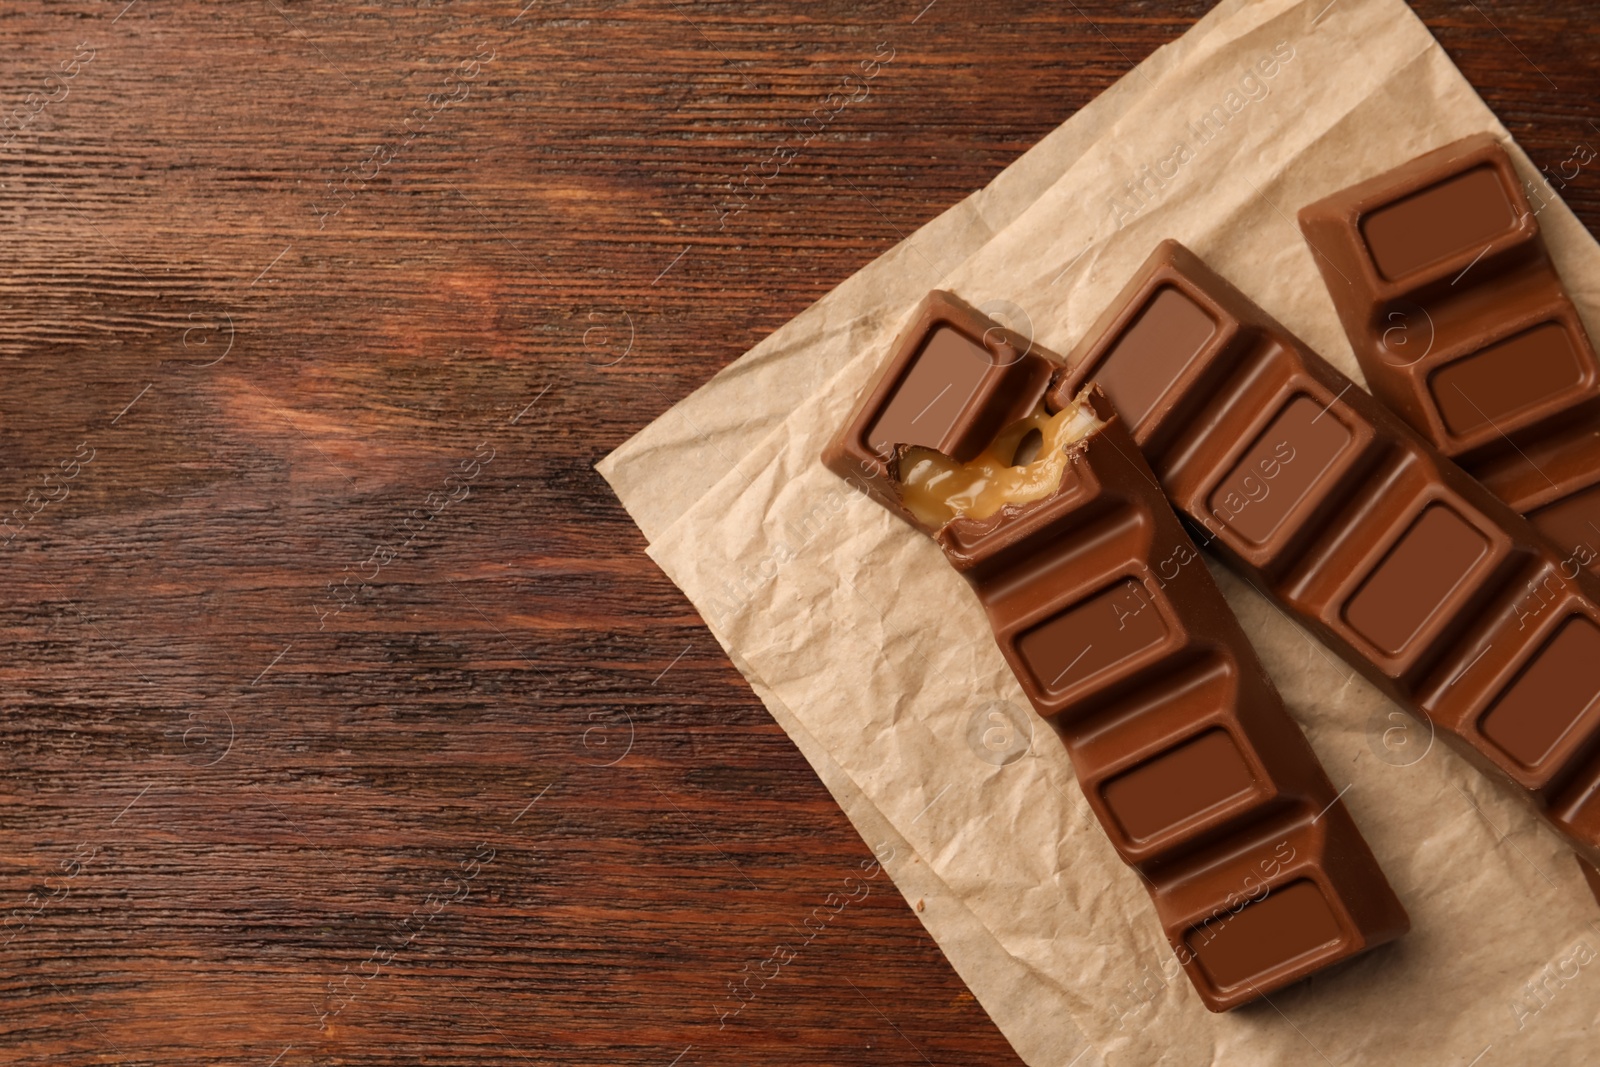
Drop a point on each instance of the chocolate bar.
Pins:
(1117, 634)
(1417, 575)
(1462, 326)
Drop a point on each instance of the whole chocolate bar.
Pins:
(1322, 497)
(1117, 634)
(1462, 326)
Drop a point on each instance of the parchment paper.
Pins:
(877, 653)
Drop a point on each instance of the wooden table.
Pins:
(344, 718)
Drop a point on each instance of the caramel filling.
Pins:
(1024, 463)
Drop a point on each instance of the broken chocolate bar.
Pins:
(967, 380)
(1118, 635)
(1324, 499)
(1462, 326)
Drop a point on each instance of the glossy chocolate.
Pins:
(1109, 619)
(954, 379)
(1461, 325)
(1323, 498)
(1294, 922)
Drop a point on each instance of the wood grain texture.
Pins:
(343, 718)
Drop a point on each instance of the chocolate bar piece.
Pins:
(1117, 634)
(1462, 326)
(966, 378)
(1417, 575)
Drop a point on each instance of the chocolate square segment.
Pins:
(1181, 784)
(1093, 637)
(1550, 697)
(939, 385)
(1153, 353)
(1506, 378)
(1280, 469)
(1461, 214)
(1433, 558)
(953, 380)
(1293, 922)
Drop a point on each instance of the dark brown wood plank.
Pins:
(274, 283)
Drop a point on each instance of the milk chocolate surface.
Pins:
(1462, 326)
(1436, 554)
(937, 389)
(1459, 214)
(1154, 353)
(955, 381)
(1275, 474)
(1199, 775)
(1294, 922)
(1116, 633)
(1415, 573)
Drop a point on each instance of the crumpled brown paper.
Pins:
(873, 655)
